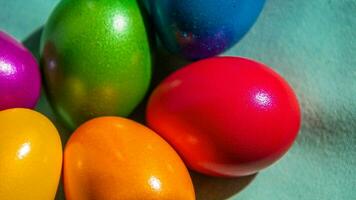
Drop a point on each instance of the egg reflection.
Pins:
(6, 68)
(155, 183)
(263, 99)
(24, 150)
(120, 23)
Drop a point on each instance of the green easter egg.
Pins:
(95, 58)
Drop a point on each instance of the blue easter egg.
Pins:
(202, 28)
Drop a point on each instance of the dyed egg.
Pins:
(30, 156)
(226, 116)
(20, 79)
(203, 28)
(116, 158)
(96, 59)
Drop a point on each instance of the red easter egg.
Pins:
(226, 116)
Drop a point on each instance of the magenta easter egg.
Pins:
(20, 79)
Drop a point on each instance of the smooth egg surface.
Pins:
(30, 156)
(226, 116)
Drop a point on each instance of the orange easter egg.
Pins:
(115, 158)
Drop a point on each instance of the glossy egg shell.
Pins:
(30, 156)
(20, 79)
(226, 116)
(203, 28)
(116, 158)
(96, 59)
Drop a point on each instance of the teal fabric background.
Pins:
(313, 45)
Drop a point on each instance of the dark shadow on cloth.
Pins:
(164, 64)
(33, 42)
(217, 188)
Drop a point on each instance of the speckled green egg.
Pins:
(96, 59)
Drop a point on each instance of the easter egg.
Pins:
(96, 59)
(30, 156)
(203, 28)
(20, 80)
(116, 158)
(226, 116)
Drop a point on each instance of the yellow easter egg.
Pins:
(30, 156)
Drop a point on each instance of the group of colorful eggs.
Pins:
(221, 116)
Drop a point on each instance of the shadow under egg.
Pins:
(218, 188)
